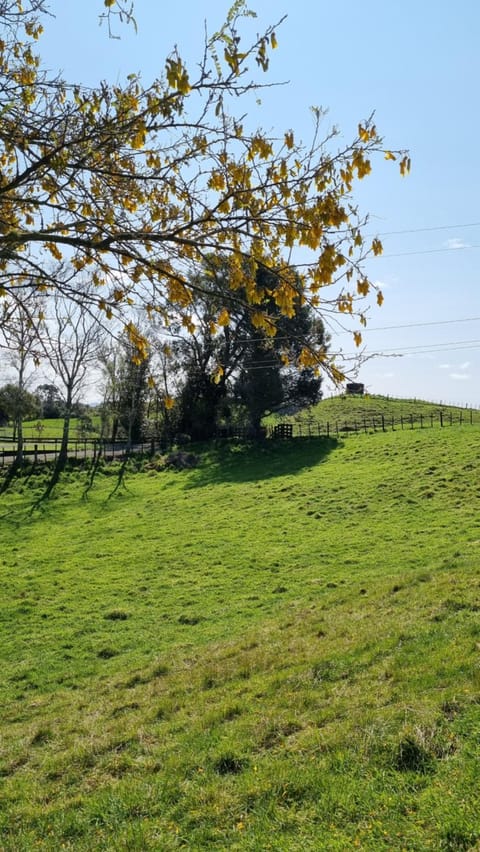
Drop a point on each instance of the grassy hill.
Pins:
(278, 649)
(349, 409)
(371, 405)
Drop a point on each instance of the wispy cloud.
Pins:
(456, 243)
(459, 377)
(463, 366)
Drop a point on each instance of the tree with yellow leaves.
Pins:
(135, 185)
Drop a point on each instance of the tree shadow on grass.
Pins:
(251, 462)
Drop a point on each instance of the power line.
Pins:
(454, 346)
(432, 228)
(429, 251)
(432, 346)
(415, 325)
(463, 348)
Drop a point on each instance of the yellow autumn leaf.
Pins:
(216, 181)
(139, 139)
(307, 359)
(188, 323)
(389, 155)
(380, 299)
(357, 338)
(223, 318)
(264, 322)
(363, 286)
(363, 133)
(168, 402)
(336, 374)
(54, 250)
(217, 375)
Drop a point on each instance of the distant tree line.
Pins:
(220, 374)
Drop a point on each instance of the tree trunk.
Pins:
(19, 450)
(63, 454)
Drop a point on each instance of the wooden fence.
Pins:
(376, 423)
(49, 448)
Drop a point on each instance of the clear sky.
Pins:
(415, 63)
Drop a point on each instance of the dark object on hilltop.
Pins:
(355, 389)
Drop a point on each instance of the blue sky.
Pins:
(417, 65)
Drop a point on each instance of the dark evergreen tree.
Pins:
(16, 405)
(52, 404)
(223, 361)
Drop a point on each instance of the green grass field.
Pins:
(49, 429)
(279, 649)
